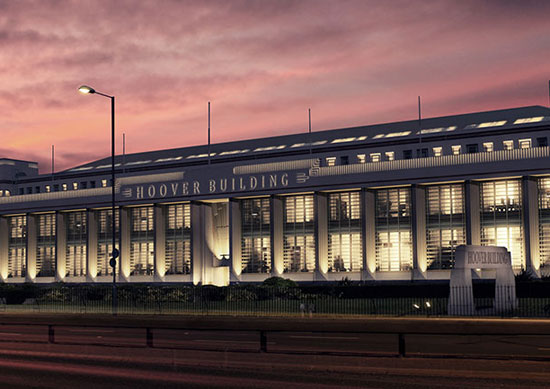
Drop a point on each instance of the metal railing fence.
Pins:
(267, 300)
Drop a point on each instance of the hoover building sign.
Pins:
(479, 258)
(183, 184)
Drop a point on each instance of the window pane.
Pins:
(345, 250)
(445, 224)
(255, 236)
(298, 234)
(393, 230)
(501, 223)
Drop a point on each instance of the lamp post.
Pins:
(114, 255)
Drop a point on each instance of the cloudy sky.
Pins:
(262, 64)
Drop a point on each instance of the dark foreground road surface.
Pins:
(223, 352)
(55, 366)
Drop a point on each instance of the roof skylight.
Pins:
(392, 134)
(232, 152)
(529, 120)
(169, 159)
(137, 162)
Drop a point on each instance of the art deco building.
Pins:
(382, 202)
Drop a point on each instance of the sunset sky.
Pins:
(262, 64)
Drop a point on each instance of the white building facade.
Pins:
(382, 202)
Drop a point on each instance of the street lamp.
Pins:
(114, 255)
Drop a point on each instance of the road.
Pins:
(337, 354)
(345, 343)
(25, 365)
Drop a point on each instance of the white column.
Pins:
(160, 241)
(124, 244)
(31, 248)
(473, 219)
(531, 225)
(418, 199)
(235, 236)
(4, 247)
(321, 235)
(277, 243)
(91, 245)
(60, 245)
(369, 233)
(197, 242)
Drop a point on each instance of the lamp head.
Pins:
(86, 89)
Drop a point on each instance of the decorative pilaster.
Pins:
(473, 220)
(235, 236)
(531, 225)
(31, 248)
(277, 242)
(321, 234)
(368, 210)
(418, 200)
(60, 245)
(160, 241)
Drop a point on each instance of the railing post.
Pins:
(51, 334)
(149, 336)
(401, 340)
(263, 342)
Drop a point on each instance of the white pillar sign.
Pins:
(468, 258)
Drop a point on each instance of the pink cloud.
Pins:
(261, 63)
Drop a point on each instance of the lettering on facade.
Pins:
(487, 258)
(211, 186)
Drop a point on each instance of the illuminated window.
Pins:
(375, 157)
(445, 224)
(438, 151)
(48, 189)
(45, 245)
(178, 239)
(525, 143)
(17, 246)
(331, 161)
(390, 155)
(508, 144)
(64, 186)
(343, 140)
(344, 232)
(393, 230)
(529, 120)
(75, 185)
(488, 147)
(75, 259)
(488, 124)
(299, 234)
(501, 220)
(361, 158)
(255, 236)
(142, 242)
(105, 240)
(103, 183)
(7, 193)
(456, 149)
